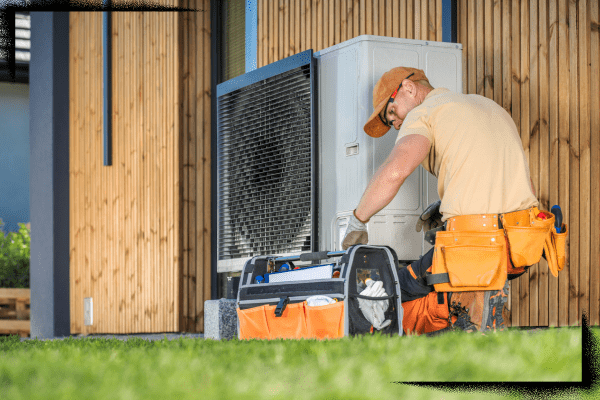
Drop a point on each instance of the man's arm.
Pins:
(405, 157)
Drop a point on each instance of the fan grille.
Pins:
(265, 167)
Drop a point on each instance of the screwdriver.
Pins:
(557, 218)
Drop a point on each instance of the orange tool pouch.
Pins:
(297, 321)
(530, 236)
(470, 255)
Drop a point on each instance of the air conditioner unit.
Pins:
(293, 159)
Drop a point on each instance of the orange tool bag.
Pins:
(479, 252)
(273, 304)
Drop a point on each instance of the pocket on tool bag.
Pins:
(472, 260)
(526, 244)
(473, 266)
(325, 321)
(253, 323)
(559, 240)
(526, 234)
(291, 324)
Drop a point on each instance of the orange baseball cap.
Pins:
(383, 90)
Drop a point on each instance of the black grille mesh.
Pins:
(264, 163)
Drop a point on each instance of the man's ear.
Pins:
(411, 87)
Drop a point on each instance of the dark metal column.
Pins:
(49, 174)
(449, 19)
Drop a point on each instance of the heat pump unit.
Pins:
(293, 158)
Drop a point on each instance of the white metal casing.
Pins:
(348, 157)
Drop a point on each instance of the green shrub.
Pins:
(14, 258)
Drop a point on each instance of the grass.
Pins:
(350, 368)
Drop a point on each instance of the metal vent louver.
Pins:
(266, 162)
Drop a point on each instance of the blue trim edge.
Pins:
(107, 85)
(265, 72)
(251, 34)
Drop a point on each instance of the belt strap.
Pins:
(437, 278)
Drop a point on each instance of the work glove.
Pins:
(431, 217)
(356, 233)
(374, 310)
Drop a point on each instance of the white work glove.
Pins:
(356, 233)
(315, 301)
(374, 310)
(431, 217)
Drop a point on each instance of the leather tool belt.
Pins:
(478, 252)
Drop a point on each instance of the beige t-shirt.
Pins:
(476, 154)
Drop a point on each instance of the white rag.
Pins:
(374, 310)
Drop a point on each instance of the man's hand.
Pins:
(431, 217)
(356, 233)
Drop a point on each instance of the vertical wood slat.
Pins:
(533, 132)
(382, 16)
(344, 20)
(553, 54)
(471, 68)
(479, 13)
(464, 40)
(595, 163)
(432, 21)
(187, 81)
(417, 19)
(207, 161)
(365, 24)
(488, 82)
(497, 51)
(332, 22)
(291, 17)
(563, 156)
(574, 317)
(402, 20)
(195, 178)
(86, 151)
(355, 18)
(438, 21)
(516, 115)
(524, 103)
(272, 58)
(389, 13)
(324, 10)
(544, 145)
(410, 29)
(197, 318)
(584, 188)
(284, 13)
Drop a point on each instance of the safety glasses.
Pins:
(391, 100)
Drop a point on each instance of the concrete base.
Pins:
(220, 319)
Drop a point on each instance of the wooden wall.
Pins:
(196, 160)
(125, 227)
(287, 27)
(539, 59)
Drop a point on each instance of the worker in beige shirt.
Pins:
(472, 146)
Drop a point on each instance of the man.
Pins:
(472, 146)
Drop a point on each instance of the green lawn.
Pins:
(350, 368)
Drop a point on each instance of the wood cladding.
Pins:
(196, 160)
(539, 59)
(125, 226)
(287, 27)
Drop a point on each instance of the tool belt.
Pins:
(478, 252)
